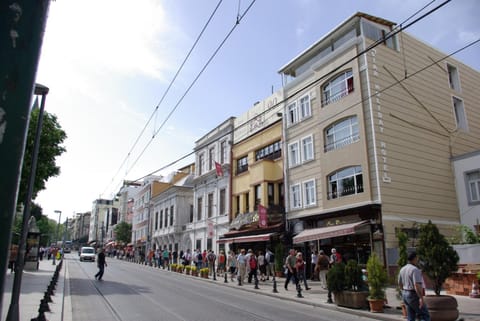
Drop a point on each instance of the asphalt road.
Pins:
(138, 293)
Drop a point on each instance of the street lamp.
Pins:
(58, 225)
(13, 310)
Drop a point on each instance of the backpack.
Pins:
(200, 257)
(253, 263)
(211, 257)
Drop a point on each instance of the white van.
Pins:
(87, 254)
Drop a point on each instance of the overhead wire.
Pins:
(380, 41)
(192, 84)
(166, 91)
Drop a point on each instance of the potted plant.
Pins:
(347, 285)
(438, 260)
(188, 268)
(377, 282)
(180, 268)
(194, 271)
(204, 273)
(279, 259)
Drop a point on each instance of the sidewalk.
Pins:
(34, 285)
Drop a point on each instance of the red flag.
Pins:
(262, 216)
(219, 169)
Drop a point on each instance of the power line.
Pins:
(387, 36)
(333, 116)
(192, 84)
(166, 91)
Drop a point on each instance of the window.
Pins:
(460, 116)
(305, 110)
(272, 151)
(171, 215)
(247, 202)
(373, 32)
(191, 213)
(242, 165)
(199, 208)
(271, 196)
(210, 205)
(307, 148)
(201, 163)
(161, 219)
(293, 154)
(337, 88)
(258, 196)
(156, 221)
(223, 195)
(473, 187)
(345, 182)
(211, 158)
(166, 217)
(309, 193)
(295, 197)
(281, 194)
(238, 204)
(342, 133)
(292, 113)
(453, 79)
(223, 152)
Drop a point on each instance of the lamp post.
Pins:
(13, 310)
(58, 225)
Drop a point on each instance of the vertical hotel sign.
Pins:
(379, 123)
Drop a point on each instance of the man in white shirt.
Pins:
(410, 280)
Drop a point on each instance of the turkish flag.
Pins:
(219, 169)
(262, 216)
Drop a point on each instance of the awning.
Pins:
(111, 243)
(247, 239)
(330, 231)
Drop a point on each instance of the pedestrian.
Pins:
(13, 257)
(290, 263)
(300, 266)
(313, 263)
(187, 258)
(211, 258)
(232, 264)
(322, 268)
(165, 258)
(253, 265)
(270, 259)
(411, 282)
(262, 265)
(221, 262)
(241, 266)
(335, 257)
(101, 264)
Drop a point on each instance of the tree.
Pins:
(123, 232)
(51, 141)
(438, 258)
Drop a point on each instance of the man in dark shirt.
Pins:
(101, 263)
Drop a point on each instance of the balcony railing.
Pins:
(342, 142)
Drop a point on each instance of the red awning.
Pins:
(330, 231)
(247, 239)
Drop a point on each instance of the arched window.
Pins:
(341, 133)
(345, 182)
(337, 87)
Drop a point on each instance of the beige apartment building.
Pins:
(370, 134)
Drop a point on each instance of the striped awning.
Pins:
(247, 239)
(331, 231)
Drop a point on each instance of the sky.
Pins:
(109, 62)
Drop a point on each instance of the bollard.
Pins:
(43, 306)
(274, 285)
(225, 274)
(47, 297)
(256, 283)
(329, 297)
(299, 291)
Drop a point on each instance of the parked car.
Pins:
(87, 254)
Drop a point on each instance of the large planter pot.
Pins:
(278, 274)
(442, 307)
(351, 299)
(376, 305)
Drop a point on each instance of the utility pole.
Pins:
(22, 25)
